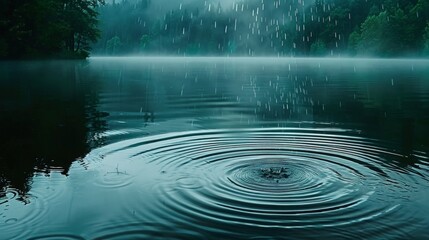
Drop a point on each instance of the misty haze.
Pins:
(214, 119)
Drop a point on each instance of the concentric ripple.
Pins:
(31, 211)
(272, 182)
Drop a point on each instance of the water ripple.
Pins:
(57, 237)
(144, 231)
(316, 183)
(17, 210)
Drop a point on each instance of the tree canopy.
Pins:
(382, 28)
(426, 41)
(68, 28)
(48, 28)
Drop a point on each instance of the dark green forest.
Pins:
(68, 28)
(383, 28)
(48, 28)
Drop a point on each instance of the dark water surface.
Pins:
(214, 148)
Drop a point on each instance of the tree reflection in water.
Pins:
(48, 119)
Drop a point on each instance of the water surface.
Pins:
(218, 148)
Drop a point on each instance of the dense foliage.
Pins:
(426, 40)
(66, 28)
(385, 28)
(47, 28)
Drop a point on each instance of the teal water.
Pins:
(214, 148)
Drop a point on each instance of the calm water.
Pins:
(200, 148)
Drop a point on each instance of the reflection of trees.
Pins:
(386, 103)
(371, 100)
(133, 91)
(46, 116)
(278, 98)
(394, 106)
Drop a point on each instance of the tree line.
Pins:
(48, 28)
(382, 28)
(70, 28)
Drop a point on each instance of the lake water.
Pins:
(214, 148)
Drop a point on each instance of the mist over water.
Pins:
(216, 148)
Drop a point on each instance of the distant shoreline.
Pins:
(258, 58)
(208, 58)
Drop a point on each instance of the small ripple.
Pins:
(28, 210)
(112, 173)
(114, 179)
(11, 220)
(189, 182)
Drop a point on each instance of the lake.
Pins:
(214, 148)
